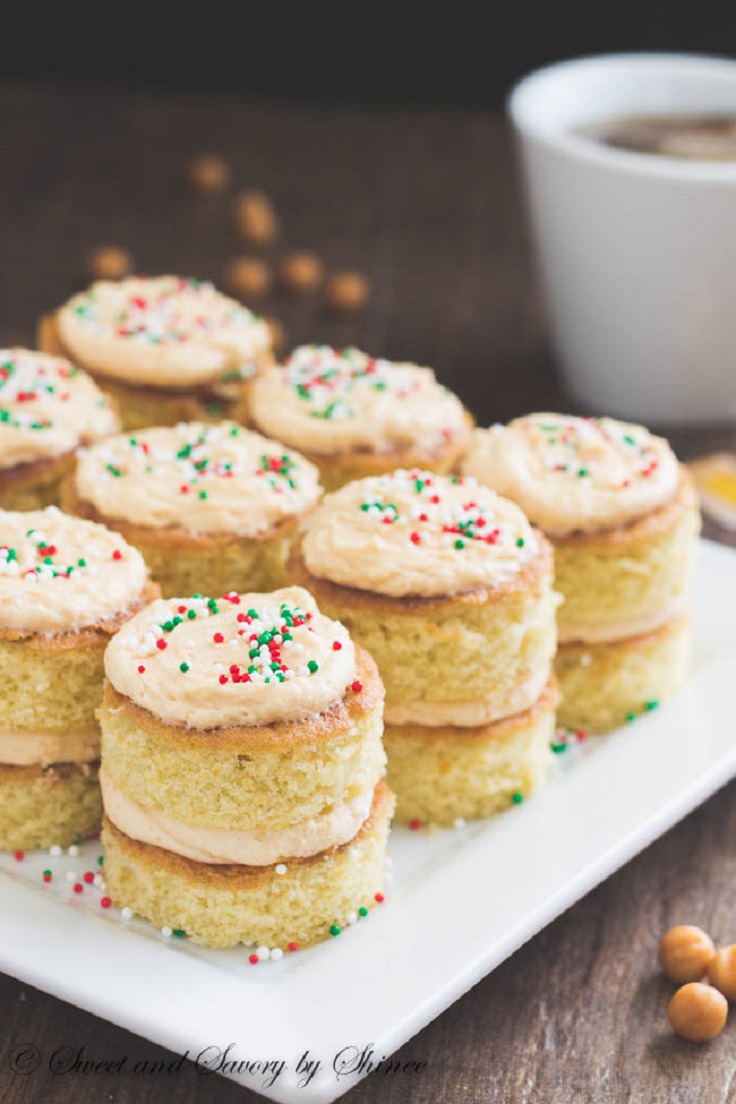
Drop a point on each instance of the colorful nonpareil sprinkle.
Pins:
(330, 380)
(578, 447)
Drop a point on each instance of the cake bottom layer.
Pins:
(442, 774)
(44, 806)
(605, 685)
(295, 902)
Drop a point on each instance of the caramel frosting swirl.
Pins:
(243, 659)
(573, 474)
(47, 407)
(202, 478)
(327, 401)
(62, 574)
(415, 533)
(162, 331)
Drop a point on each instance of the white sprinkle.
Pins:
(586, 659)
(276, 954)
(166, 933)
(263, 953)
(126, 913)
(352, 918)
(71, 876)
(99, 880)
(353, 853)
(73, 851)
(281, 868)
(55, 851)
(459, 823)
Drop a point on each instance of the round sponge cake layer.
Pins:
(189, 563)
(623, 582)
(605, 685)
(442, 774)
(34, 485)
(248, 777)
(220, 906)
(44, 806)
(486, 646)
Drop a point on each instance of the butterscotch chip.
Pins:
(347, 292)
(109, 262)
(255, 218)
(301, 272)
(698, 1012)
(208, 174)
(278, 334)
(722, 971)
(685, 953)
(248, 277)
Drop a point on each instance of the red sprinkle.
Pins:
(141, 669)
(380, 898)
(19, 856)
(415, 538)
(79, 888)
(117, 554)
(336, 646)
(293, 946)
(415, 825)
(47, 877)
(223, 680)
(218, 638)
(356, 686)
(89, 877)
(161, 644)
(105, 902)
(253, 959)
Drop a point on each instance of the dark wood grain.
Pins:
(427, 203)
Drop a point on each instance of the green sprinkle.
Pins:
(202, 494)
(47, 873)
(630, 716)
(335, 929)
(313, 665)
(81, 563)
(517, 798)
(48, 560)
(101, 860)
(459, 544)
(362, 911)
(650, 705)
(191, 614)
(178, 932)
(558, 748)
(183, 667)
(252, 613)
(520, 542)
(583, 471)
(167, 626)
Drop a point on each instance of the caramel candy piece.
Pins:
(255, 218)
(301, 272)
(685, 952)
(722, 971)
(347, 292)
(248, 278)
(109, 262)
(698, 1012)
(208, 174)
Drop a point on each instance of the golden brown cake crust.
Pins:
(342, 596)
(364, 462)
(38, 471)
(242, 877)
(319, 727)
(44, 776)
(168, 536)
(643, 529)
(92, 636)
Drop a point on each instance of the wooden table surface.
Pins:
(427, 203)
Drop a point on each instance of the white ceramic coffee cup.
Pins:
(637, 251)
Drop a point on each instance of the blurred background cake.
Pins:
(450, 589)
(66, 586)
(48, 407)
(167, 348)
(355, 415)
(623, 517)
(211, 507)
(243, 770)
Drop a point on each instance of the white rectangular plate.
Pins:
(460, 901)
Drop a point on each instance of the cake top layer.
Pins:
(47, 407)
(163, 331)
(243, 659)
(573, 474)
(327, 401)
(415, 533)
(203, 478)
(62, 574)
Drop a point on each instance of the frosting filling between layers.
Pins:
(201, 478)
(25, 749)
(254, 847)
(572, 474)
(469, 714)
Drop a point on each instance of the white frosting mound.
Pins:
(163, 331)
(244, 659)
(573, 474)
(61, 574)
(327, 401)
(415, 533)
(47, 407)
(202, 478)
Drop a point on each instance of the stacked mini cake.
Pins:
(211, 508)
(450, 589)
(47, 409)
(65, 587)
(243, 770)
(354, 415)
(166, 348)
(623, 518)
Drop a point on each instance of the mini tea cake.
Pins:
(354, 415)
(243, 770)
(47, 409)
(623, 518)
(450, 589)
(65, 587)
(166, 348)
(211, 507)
